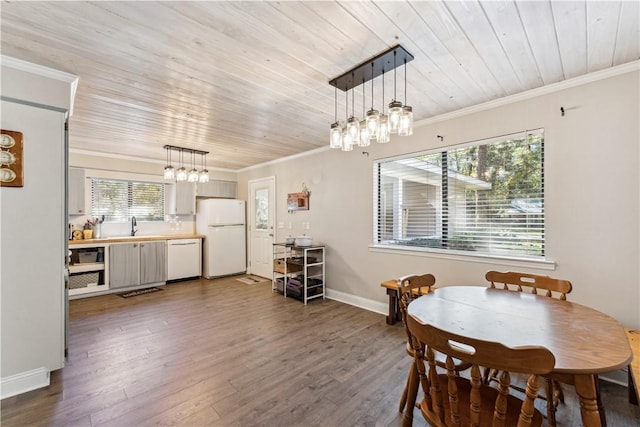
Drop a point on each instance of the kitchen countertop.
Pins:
(121, 239)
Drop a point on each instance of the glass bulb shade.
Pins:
(373, 123)
(347, 142)
(193, 175)
(364, 134)
(335, 136)
(204, 176)
(395, 111)
(181, 174)
(353, 128)
(169, 172)
(406, 121)
(384, 135)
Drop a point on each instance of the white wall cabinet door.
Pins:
(153, 264)
(124, 265)
(184, 199)
(76, 191)
(217, 188)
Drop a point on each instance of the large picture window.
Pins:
(485, 197)
(119, 200)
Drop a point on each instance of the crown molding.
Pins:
(534, 93)
(41, 70)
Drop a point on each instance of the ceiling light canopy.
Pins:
(376, 126)
(181, 173)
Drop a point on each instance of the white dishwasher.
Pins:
(184, 258)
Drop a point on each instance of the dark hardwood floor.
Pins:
(224, 353)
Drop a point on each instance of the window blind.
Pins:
(486, 197)
(119, 200)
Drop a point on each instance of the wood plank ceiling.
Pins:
(248, 81)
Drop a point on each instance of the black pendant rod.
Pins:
(181, 149)
(372, 68)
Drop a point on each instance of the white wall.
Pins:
(32, 244)
(591, 197)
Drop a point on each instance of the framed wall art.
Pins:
(298, 201)
(11, 158)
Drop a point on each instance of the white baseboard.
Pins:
(367, 304)
(23, 382)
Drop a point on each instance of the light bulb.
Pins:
(405, 127)
(383, 133)
(204, 176)
(373, 123)
(353, 128)
(169, 172)
(395, 111)
(364, 135)
(193, 175)
(335, 136)
(347, 142)
(181, 174)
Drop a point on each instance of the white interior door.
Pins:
(262, 217)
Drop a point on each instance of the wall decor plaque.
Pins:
(298, 202)
(11, 159)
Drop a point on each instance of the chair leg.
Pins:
(558, 395)
(403, 398)
(413, 383)
(551, 402)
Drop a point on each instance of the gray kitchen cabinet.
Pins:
(124, 265)
(153, 262)
(140, 263)
(184, 199)
(217, 188)
(76, 191)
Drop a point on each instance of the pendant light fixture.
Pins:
(181, 173)
(353, 124)
(376, 125)
(204, 173)
(169, 171)
(193, 173)
(347, 140)
(373, 116)
(364, 130)
(405, 127)
(384, 135)
(335, 136)
(395, 107)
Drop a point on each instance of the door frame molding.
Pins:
(250, 209)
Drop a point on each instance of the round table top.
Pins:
(583, 340)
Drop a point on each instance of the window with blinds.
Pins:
(486, 197)
(120, 200)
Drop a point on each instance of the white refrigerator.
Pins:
(222, 222)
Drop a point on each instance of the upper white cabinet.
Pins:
(76, 191)
(183, 200)
(216, 188)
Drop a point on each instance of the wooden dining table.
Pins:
(584, 341)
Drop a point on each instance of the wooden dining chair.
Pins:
(540, 285)
(455, 400)
(409, 288)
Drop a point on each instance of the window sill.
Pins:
(543, 264)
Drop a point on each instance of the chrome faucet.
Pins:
(133, 226)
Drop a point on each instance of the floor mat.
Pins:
(250, 280)
(138, 292)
